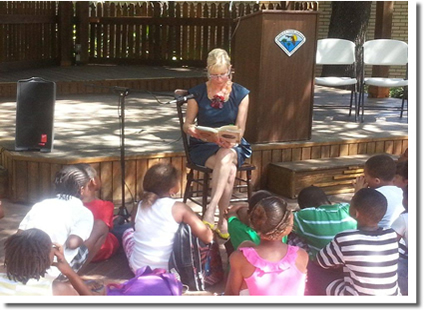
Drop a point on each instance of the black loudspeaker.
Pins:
(35, 114)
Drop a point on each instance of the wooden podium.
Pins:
(281, 86)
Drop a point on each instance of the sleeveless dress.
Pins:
(280, 278)
(208, 116)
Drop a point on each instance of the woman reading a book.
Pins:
(217, 103)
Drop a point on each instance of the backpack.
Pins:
(147, 282)
(197, 265)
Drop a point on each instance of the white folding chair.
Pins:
(333, 51)
(384, 52)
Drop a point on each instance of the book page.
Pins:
(230, 136)
(229, 133)
(207, 134)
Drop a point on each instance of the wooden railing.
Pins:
(36, 33)
(28, 33)
(166, 33)
(144, 32)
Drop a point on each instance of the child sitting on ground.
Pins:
(317, 222)
(400, 226)
(379, 173)
(102, 210)
(66, 220)
(368, 255)
(401, 177)
(238, 217)
(28, 256)
(309, 197)
(272, 267)
(157, 218)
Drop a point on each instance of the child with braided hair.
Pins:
(67, 222)
(28, 256)
(272, 267)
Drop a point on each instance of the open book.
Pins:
(229, 133)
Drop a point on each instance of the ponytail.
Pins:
(148, 199)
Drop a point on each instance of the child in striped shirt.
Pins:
(368, 255)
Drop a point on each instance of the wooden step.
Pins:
(334, 175)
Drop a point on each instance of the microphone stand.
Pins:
(122, 92)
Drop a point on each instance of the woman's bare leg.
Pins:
(224, 202)
(223, 165)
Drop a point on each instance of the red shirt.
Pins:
(103, 210)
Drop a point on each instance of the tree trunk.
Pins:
(349, 21)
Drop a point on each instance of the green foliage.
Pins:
(396, 92)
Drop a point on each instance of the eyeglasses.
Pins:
(217, 76)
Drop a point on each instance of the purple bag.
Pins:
(147, 282)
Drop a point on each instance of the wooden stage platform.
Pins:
(86, 129)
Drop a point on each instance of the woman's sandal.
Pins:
(224, 236)
(210, 225)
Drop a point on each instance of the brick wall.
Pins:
(399, 28)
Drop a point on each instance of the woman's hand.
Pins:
(225, 144)
(191, 131)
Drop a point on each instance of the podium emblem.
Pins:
(290, 41)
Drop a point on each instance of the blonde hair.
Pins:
(218, 58)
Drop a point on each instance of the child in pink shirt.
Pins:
(272, 267)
